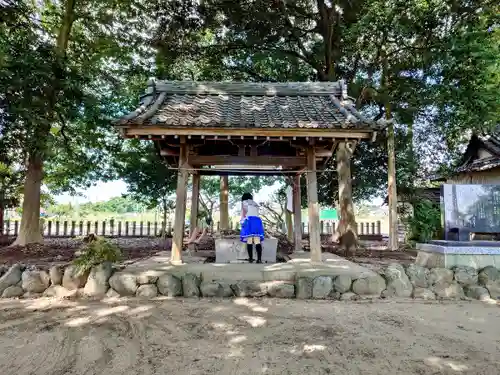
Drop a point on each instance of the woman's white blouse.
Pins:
(251, 207)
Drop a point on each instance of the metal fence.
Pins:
(113, 228)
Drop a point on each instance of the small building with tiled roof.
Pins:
(480, 163)
(227, 128)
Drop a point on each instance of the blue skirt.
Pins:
(252, 227)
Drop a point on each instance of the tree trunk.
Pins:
(297, 214)
(224, 203)
(30, 232)
(164, 221)
(347, 220)
(392, 192)
(313, 206)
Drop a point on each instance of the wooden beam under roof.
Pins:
(249, 172)
(229, 160)
(257, 132)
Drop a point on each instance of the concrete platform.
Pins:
(300, 265)
(447, 254)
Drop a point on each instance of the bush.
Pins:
(96, 251)
(425, 224)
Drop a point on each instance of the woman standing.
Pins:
(252, 230)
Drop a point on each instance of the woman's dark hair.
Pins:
(246, 196)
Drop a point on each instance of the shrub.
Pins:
(425, 223)
(97, 251)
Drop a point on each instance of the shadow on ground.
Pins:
(247, 336)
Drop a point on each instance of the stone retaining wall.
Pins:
(103, 280)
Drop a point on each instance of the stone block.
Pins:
(281, 289)
(370, 285)
(169, 285)
(56, 275)
(448, 291)
(342, 283)
(322, 287)
(58, 291)
(477, 292)
(35, 281)
(398, 283)
(465, 275)
(216, 289)
(11, 277)
(488, 274)
(440, 276)
(191, 285)
(249, 288)
(147, 291)
(304, 287)
(13, 291)
(418, 275)
(74, 278)
(98, 281)
(125, 284)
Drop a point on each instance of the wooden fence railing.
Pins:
(112, 228)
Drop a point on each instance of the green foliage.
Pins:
(425, 223)
(97, 251)
(113, 206)
(149, 179)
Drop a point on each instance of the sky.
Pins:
(103, 191)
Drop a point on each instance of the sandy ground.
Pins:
(247, 337)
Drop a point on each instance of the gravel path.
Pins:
(247, 337)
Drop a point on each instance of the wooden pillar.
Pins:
(393, 197)
(347, 219)
(180, 205)
(195, 197)
(224, 202)
(297, 214)
(312, 203)
(289, 225)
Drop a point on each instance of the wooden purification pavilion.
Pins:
(231, 128)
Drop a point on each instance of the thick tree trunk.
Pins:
(297, 214)
(347, 220)
(313, 206)
(30, 232)
(180, 207)
(224, 203)
(392, 192)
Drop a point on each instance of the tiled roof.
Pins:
(470, 161)
(247, 105)
(479, 165)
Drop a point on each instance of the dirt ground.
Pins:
(61, 251)
(247, 337)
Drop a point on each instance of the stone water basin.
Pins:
(232, 250)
